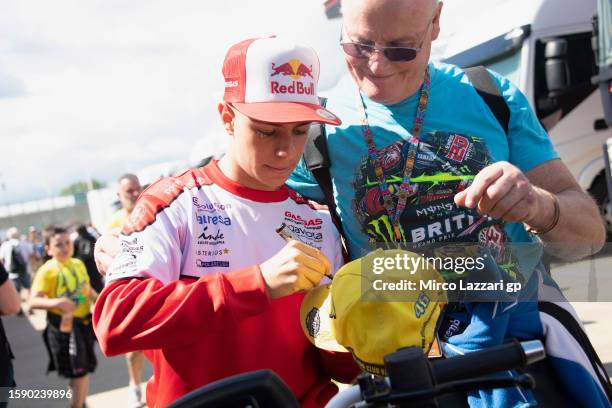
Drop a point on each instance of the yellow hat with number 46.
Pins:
(371, 309)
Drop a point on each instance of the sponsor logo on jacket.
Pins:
(209, 207)
(131, 246)
(289, 216)
(213, 220)
(305, 234)
(212, 264)
(210, 236)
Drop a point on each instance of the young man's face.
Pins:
(60, 247)
(128, 193)
(265, 154)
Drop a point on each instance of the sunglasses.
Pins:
(363, 51)
(392, 53)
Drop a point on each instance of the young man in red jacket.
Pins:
(202, 281)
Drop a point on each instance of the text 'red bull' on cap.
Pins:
(274, 80)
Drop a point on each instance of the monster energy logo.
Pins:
(435, 209)
(382, 230)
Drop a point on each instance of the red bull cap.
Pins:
(274, 80)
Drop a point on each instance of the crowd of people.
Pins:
(22, 255)
(55, 270)
(39, 272)
(193, 271)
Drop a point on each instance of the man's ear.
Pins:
(227, 117)
(436, 22)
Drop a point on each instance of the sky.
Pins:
(97, 88)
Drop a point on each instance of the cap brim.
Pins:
(316, 321)
(287, 112)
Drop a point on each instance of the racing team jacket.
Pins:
(186, 288)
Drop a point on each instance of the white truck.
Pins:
(545, 47)
(603, 40)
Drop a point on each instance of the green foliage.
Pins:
(81, 187)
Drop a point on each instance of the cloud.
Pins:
(10, 86)
(107, 86)
(99, 87)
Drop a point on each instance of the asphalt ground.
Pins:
(30, 364)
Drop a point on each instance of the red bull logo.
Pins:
(293, 68)
(296, 70)
(294, 88)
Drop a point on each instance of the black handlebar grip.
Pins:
(479, 363)
(409, 370)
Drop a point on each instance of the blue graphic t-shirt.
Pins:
(460, 136)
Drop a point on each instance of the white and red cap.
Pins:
(274, 80)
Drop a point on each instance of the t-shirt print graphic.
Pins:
(446, 163)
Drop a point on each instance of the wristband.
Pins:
(553, 224)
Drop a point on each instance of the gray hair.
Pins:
(12, 233)
(128, 176)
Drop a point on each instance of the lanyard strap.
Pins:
(405, 190)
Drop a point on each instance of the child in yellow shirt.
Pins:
(62, 288)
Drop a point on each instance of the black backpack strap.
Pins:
(315, 150)
(316, 158)
(485, 86)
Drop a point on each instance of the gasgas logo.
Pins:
(295, 69)
(307, 222)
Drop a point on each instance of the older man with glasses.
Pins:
(421, 158)
(400, 99)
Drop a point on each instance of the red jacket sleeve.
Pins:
(340, 366)
(140, 314)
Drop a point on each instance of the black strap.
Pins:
(315, 151)
(316, 156)
(488, 91)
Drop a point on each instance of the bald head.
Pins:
(399, 8)
(382, 23)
